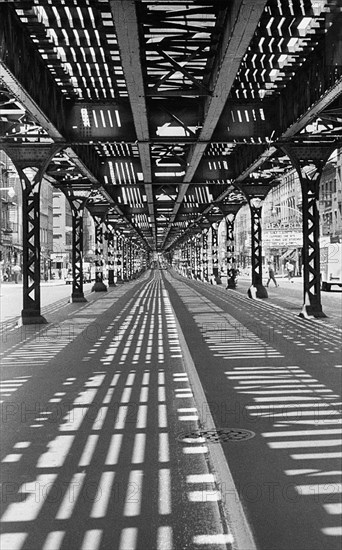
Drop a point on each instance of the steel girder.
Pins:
(316, 86)
(126, 24)
(243, 20)
(24, 72)
(260, 60)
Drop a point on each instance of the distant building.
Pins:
(282, 218)
(330, 203)
(62, 235)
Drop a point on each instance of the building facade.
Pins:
(282, 238)
(11, 238)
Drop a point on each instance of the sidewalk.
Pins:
(97, 417)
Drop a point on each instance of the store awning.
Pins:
(288, 254)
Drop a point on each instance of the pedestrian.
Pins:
(212, 279)
(60, 273)
(16, 271)
(289, 268)
(271, 275)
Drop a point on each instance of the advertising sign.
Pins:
(280, 238)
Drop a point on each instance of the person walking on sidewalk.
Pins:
(271, 276)
(289, 268)
(16, 271)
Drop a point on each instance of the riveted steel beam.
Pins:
(29, 80)
(127, 33)
(243, 19)
(316, 86)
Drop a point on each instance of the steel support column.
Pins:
(124, 258)
(31, 164)
(230, 251)
(214, 249)
(309, 161)
(192, 245)
(77, 202)
(129, 259)
(31, 313)
(187, 257)
(198, 256)
(257, 289)
(110, 236)
(205, 266)
(115, 257)
(99, 285)
(119, 258)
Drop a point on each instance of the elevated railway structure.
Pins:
(162, 117)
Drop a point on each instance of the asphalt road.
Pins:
(108, 415)
(265, 370)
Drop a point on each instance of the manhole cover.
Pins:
(216, 436)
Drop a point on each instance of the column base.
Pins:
(99, 287)
(111, 284)
(77, 298)
(257, 291)
(32, 318)
(310, 311)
